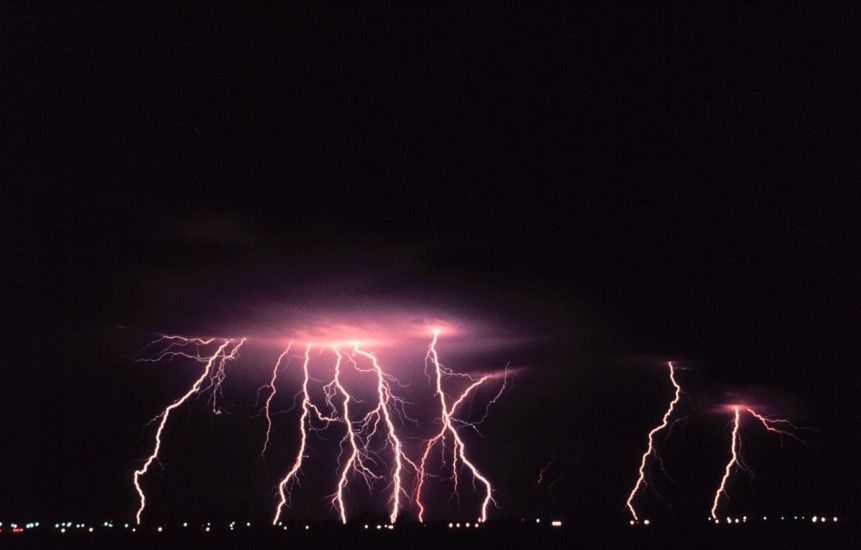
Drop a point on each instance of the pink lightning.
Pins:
(386, 399)
(447, 425)
(271, 396)
(650, 450)
(734, 459)
(304, 423)
(735, 451)
(177, 348)
(368, 436)
(543, 471)
(356, 460)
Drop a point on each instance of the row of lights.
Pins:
(743, 519)
(466, 525)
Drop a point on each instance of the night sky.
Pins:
(602, 189)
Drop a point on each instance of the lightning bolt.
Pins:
(178, 347)
(447, 426)
(384, 394)
(650, 450)
(304, 426)
(268, 403)
(736, 458)
(357, 455)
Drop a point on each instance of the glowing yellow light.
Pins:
(646, 522)
(556, 523)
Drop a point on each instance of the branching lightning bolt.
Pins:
(304, 426)
(177, 347)
(650, 450)
(384, 393)
(447, 426)
(272, 391)
(736, 458)
(357, 455)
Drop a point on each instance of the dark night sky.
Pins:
(631, 185)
